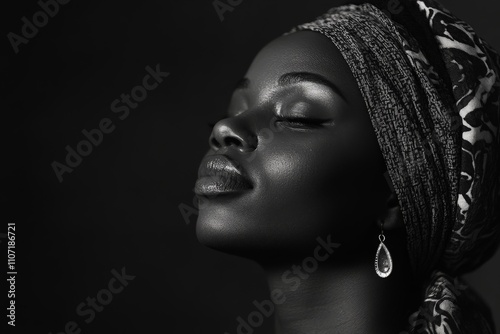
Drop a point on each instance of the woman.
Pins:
(356, 137)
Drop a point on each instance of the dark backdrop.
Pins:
(119, 207)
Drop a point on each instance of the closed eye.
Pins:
(301, 121)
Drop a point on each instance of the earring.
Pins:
(383, 260)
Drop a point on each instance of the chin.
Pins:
(225, 232)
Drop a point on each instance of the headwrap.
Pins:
(432, 90)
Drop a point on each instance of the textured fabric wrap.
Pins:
(434, 105)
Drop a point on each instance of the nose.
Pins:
(232, 131)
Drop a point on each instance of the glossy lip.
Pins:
(219, 174)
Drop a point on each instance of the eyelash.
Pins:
(297, 121)
(300, 121)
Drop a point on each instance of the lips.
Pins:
(218, 175)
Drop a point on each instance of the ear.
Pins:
(391, 215)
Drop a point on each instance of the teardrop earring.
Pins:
(383, 260)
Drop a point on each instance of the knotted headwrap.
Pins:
(432, 90)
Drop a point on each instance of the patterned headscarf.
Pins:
(432, 89)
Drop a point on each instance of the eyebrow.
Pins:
(296, 77)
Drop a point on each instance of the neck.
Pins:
(340, 297)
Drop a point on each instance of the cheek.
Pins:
(312, 188)
(309, 169)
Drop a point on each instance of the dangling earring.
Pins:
(383, 260)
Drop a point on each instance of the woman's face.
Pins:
(306, 159)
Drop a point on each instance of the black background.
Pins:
(120, 206)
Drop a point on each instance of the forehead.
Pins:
(303, 51)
